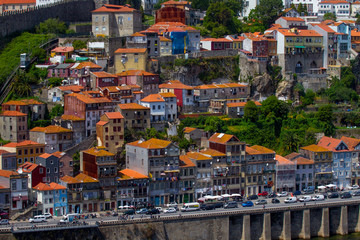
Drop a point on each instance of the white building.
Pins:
(162, 106)
(355, 8)
(45, 2)
(248, 6)
(340, 8)
(18, 184)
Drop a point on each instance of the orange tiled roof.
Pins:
(189, 129)
(293, 19)
(131, 50)
(350, 142)
(355, 32)
(153, 98)
(13, 114)
(113, 8)
(162, 27)
(87, 65)
(23, 102)
(238, 39)
(102, 123)
(283, 161)
(241, 104)
(114, 115)
(213, 153)
(167, 94)
(69, 179)
(135, 73)
(43, 187)
(21, 144)
(25, 2)
(198, 156)
(175, 84)
(215, 40)
(56, 186)
(50, 129)
(86, 98)
(132, 106)
(329, 143)
(45, 155)
(222, 85)
(104, 75)
(256, 150)
(185, 161)
(293, 155)
(303, 161)
(28, 167)
(221, 138)
(333, 2)
(58, 154)
(73, 88)
(164, 39)
(172, 2)
(315, 148)
(137, 34)
(85, 178)
(300, 32)
(72, 118)
(98, 152)
(152, 143)
(131, 174)
(63, 49)
(7, 173)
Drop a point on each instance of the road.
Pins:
(269, 205)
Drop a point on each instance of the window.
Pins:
(41, 170)
(104, 28)
(55, 170)
(13, 185)
(120, 20)
(104, 18)
(96, 29)
(47, 170)
(23, 184)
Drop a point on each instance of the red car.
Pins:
(264, 194)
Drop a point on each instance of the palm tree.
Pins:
(20, 85)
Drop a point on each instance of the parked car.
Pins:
(282, 194)
(172, 204)
(114, 213)
(218, 204)
(38, 219)
(142, 211)
(252, 197)
(232, 204)
(4, 222)
(272, 195)
(354, 187)
(318, 197)
(129, 212)
(248, 204)
(153, 211)
(290, 200)
(275, 200)
(296, 193)
(48, 215)
(264, 194)
(170, 210)
(356, 193)
(207, 207)
(333, 195)
(345, 195)
(261, 202)
(305, 199)
(160, 208)
(308, 191)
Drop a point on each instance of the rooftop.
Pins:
(153, 98)
(283, 161)
(299, 32)
(222, 138)
(114, 115)
(131, 174)
(63, 49)
(43, 187)
(7, 173)
(175, 84)
(185, 161)
(222, 85)
(28, 167)
(198, 156)
(241, 104)
(135, 73)
(50, 129)
(13, 114)
(103, 75)
(72, 88)
(293, 19)
(98, 152)
(189, 129)
(256, 150)
(87, 99)
(131, 50)
(56, 186)
(21, 144)
(25, 2)
(132, 106)
(72, 118)
(88, 65)
(315, 148)
(85, 178)
(106, 8)
(213, 153)
(152, 143)
(23, 102)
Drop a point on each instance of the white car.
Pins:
(282, 194)
(38, 219)
(170, 210)
(318, 198)
(159, 208)
(305, 199)
(172, 204)
(48, 215)
(290, 200)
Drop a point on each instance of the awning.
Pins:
(299, 46)
(18, 198)
(172, 171)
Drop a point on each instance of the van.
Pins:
(38, 219)
(290, 200)
(318, 198)
(69, 218)
(305, 199)
(190, 207)
(231, 205)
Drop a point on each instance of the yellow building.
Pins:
(130, 59)
(62, 51)
(237, 41)
(26, 151)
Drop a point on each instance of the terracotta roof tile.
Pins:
(85, 178)
(213, 153)
(43, 187)
(98, 152)
(293, 19)
(72, 118)
(72, 88)
(132, 106)
(131, 174)
(355, 32)
(7, 173)
(86, 98)
(23, 102)
(114, 8)
(56, 186)
(293, 155)
(185, 161)
(50, 129)
(114, 115)
(13, 114)
(131, 50)
(88, 65)
(63, 49)
(153, 98)
(189, 129)
(241, 104)
(152, 143)
(215, 40)
(69, 179)
(25, 2)
(175, 84)
(45, 155)
(103, 75)
(164, 39)
(329, 143)
(172, 2)
(222, 85)
(167, 95)
(283, 161)
(350, 142)
(198, 156)
(28, 167)
(23, 143)
(300, 32)
(315, 148)
(256, 150)
(137, 34)
(222, 138)
(135, 73)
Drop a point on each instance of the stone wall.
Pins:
(67, 11)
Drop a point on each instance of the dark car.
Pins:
(297, 193)
(252, 197)
(129, 212)
(275, 200)
(153, 211)
(231, 204)
(333, 195)
(272, 195)
(356, 193)
(218, 205)
(308, 191)
(345, 195)
(207, 207)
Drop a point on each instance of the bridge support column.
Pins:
(286, 229)
(246, 231)
(266, 234)
(325, 224)
(343, 225)
(357, 228)
(305, 231)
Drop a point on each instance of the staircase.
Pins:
(23, 214)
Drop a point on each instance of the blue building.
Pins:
(60, 199)
(342, 160)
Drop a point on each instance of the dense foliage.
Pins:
(52, 25)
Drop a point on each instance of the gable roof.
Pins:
(20, 144)
(220, 85)
(56, 186)
(28, 167)
(69, 179)
(98, 152)
(350, 142)
(132, 106)
(213, 153)
(198, 156)
(72, 118)
(107, 8)
(215, 40)
(315, 148)
(103, 74)
(167, 94)
(222, 138)
(85, 97)
(293, 155)
(72, 88)
(185, 161)
(131, 50)
(152, 143)
(7, 173)
(256, 150)
(85, 178)
(175, 84)
(131, 174)
(283, 161)
(153, 98)
(114, 115)
(43, 187)
(13, 114)
(50, 129)
(330, 143)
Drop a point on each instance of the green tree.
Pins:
(203, 5)
(55, 81)
(76, 164)
(273, 105)
(20, 85)
(251, 112)
(266, 12)
(78, 44)
(308, 98)
(56, 111)
(325, 117)
(52, 25)
(330, 16)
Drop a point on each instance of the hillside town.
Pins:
(117, 123)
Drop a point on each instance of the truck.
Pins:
(70, 218)
(190, 207)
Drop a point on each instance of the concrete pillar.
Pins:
(357, 228)
(266, 234)
(343, 225)
(286, 229)
(246, 231)
(305, 231)
(325, 224)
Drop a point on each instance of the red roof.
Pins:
(72, 88)
(101, 123)
(132, 106)
(43, 187)
(104, 75)
(20, 144)
(113, 8)
(241, 104)
(7, 173)
(161, 27)
(350, 142)
(56, 186)
(283, 161)
(185, 161)
(50, 129)
(215, 40)
(25, 2)
(114, 115)
(222, 138)
(175, 84)
(172, 2)
(153, 98)
(131, 174)
(13, 114)
(300, 32)
(28, 167)
(152, 143)
(333, 2)
(330, 143)
(131, 50)
(293, 19)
